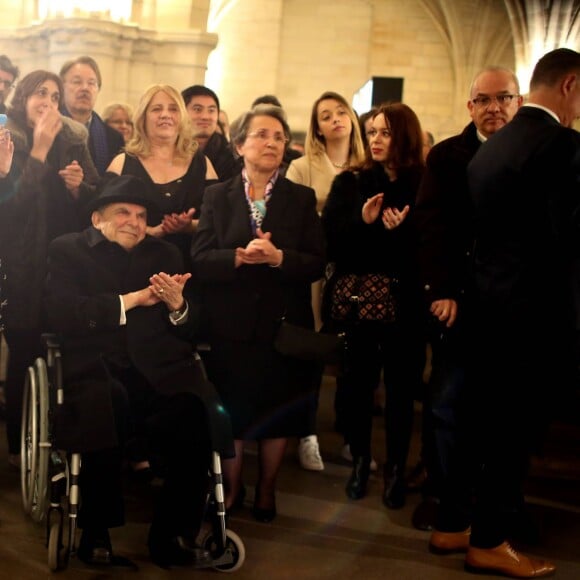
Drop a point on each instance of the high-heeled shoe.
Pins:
(356, 486)
(261, 514)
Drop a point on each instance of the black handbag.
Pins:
(306, 344)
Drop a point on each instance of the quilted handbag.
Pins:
(357, 297)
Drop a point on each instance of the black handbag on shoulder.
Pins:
(306, 344)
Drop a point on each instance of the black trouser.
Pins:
(442, 396)
(176, 430)
(23, 348)
(311, 402)
(401, 354)
(512, 377)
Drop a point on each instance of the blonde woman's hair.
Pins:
(316, 143)
(110, 109)
(140, 145)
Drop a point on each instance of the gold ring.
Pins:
(161, 290)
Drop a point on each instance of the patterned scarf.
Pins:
(258, 206)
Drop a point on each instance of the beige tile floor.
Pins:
(319, 533)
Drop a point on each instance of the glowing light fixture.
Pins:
(116, 10)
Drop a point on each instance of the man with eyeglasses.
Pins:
(203, 107)
(82, 82)
(8, 75)
(443, 217)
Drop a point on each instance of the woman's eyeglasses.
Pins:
(263, 135)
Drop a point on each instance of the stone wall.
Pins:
(298, 49)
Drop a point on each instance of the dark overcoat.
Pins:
(246, 303)
(262, 389)
(525, 184)
(443, 218)
(87, 274)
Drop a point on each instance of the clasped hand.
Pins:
(391, 217)
(179, 222)
(164, 288)
(259, 251)
(175, 223)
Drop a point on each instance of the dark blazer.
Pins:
(443, 218)
(246, 303)
(87, 273)
(525, 186)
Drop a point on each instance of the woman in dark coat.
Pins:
(368, 233)
(42, 197)
(258, 247)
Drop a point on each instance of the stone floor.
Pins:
(319, 533)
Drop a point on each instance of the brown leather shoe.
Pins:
(449, 542)
(505, 560)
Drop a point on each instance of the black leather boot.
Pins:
(394, 492)
(356, 487)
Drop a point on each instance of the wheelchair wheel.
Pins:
(233, 556)
(34, 443)
(55, 544)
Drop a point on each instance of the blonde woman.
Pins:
(163, 153)
(119, 116)
(333, 143)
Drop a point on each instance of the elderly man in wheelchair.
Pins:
(115, 296)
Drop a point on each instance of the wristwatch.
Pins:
(175, 315)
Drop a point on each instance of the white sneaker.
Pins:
(309, 454)
(346, 454)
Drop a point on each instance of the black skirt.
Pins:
(265, 393)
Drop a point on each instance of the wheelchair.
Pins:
(50, 476)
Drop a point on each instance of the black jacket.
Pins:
(246, 303)
(356, 247)
(219, 152)
(444, 218)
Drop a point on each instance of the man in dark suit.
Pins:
(115, 295)
(444, 224)
(82, 82)
(525, 185)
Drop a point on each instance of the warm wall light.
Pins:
(116, 10)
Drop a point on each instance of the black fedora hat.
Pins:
(115, 188)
